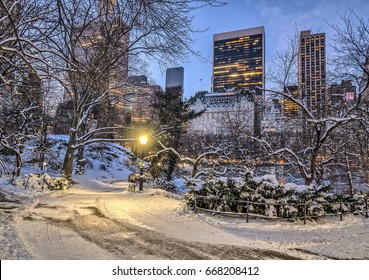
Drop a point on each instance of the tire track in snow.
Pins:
(12, 247)
(79, 226)
(49, 236)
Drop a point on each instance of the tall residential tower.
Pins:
(312, 71)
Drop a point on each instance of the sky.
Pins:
(280, 18)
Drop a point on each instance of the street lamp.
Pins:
(44, 171)
(143, 140)
(281, 163)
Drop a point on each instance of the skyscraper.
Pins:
(239, 60)
(174, 81)
(312, 71)
(174, 77)
(290, 108)
(239, 63)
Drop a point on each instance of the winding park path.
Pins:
(113, 223)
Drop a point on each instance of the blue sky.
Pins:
(279, 17)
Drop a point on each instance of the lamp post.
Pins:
(281, 163)
(143, 141)
(44, 171)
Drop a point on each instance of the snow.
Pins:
(99, 218)
(81, 223)
(268, 178)
(59, 137)
(298, 188)
(180, 184)
(104, 161)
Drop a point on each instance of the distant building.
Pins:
(224, 112)
(312, 71)
(239, 60)
(273, 115)
(290, 108)
(340, 96)
(137, 80)
(97, 48)
(239, 64)
(174, 81)
(139, 98)
(21, 97)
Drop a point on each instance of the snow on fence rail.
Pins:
(246, 205)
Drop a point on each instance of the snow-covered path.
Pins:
(116, 224)
(105, 221)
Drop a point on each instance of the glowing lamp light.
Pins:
(143, 139)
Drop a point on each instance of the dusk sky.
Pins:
(279, 17)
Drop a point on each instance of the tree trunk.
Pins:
(81, 161)
(349, 175)
(194, 170)
(43, 144)
(366, 176)
(366, 168)
(69, 155)
(172, 161)
(308, 181)
(19, 164)
(68, 159)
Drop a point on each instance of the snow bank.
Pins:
(103, 161)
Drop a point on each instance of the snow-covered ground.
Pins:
(98, 218)
(103, 220)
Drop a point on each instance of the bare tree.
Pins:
(91, 46)
(316, 147)
(351, 46)
(20, 81)
(214, 152)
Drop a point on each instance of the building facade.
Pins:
(312, 71)
(139, 98)
(174, 81)
(239, 60)
(290, 108)
(174, 78)
(341, 96)
(224, 113)
(239, 65)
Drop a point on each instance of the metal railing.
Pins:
(303, 207)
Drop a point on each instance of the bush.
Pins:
(38, 181)
(225, 194)
(162, 183)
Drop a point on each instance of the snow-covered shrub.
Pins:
(58, 183)
(266, 197)
(217, 190)
(271, 211)
(38, 181)
(162, 183)
(136, 177)
(289, 212)
(158, 182)
(18, 181)
(317, 210)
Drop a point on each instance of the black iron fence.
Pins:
(303, 210)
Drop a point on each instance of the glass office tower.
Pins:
(239, 60)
